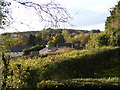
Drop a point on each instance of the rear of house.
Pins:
(16, 51)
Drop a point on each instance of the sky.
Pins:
(86, 15)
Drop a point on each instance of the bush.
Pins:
(99, 40)
(34, 48)
(37, 47)
(26, 51)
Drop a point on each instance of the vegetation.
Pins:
(68, 65)
(52, 37)
(80, 83)
(96, 66)
(112, 22)
(34, 48)
(111, 36)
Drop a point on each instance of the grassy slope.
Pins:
(96, 63)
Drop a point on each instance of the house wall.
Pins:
(45, 50)
(15, 54)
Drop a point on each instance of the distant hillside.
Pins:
(54, 31)
(21, 33)
(47, 36)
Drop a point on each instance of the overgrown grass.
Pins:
(95, 63)
(81, 83)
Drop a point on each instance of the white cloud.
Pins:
(99, 9)
(87, 17)
(91, 14)
(100, 26)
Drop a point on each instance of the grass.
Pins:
(82, 83)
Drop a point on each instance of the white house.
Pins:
(14, 54)
(47, 49)
(16, 51)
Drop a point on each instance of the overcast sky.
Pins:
(87, 15)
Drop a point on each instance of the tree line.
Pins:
(50, 37)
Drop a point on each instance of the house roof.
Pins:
(47, 49)
(18, 48)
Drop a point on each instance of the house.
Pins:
(48, 49)
(16, 51)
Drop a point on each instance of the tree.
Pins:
(113, 21)
(98, 40)
(113, 26)
(39, 38)
(4, 13)
(83, 38)
(22, 40)
(67, 36)
(7, 41)
(95, 31)
(58, 39)
(111, 35)
(31, 40)
(51, 43)
(4, 47)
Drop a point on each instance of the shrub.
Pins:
(99, 40)
(34, 48)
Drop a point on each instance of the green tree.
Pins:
(65, 33)
(58, 39)
(22, 40)
(95, 31)
(67, 36)
(39, 38)
(7, 41)
(51, 43)
(113, 21)
(98, 40)
(31, 40)
(83, 38)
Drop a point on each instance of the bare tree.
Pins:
(5, 16)
(51, 13)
